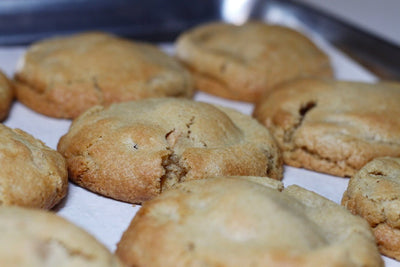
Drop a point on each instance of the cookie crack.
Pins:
(174, 171)
(189, 132)
(85, 157)
(269, 171)
(376, 173)
(303, 111)
(318, 157)
(381, 203)
(98, 90)
(188, 126)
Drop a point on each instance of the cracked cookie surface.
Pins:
(37, 238)
(62, 77)
(242, 62)
(333, 127)
(31, 174)
(6, 95)
(374, 194)
(133, 151)
(236, 222)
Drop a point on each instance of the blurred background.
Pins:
(366, 30)
(24, 21)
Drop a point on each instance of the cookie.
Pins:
(235, 222)
(40, 238)
(62, 77)
(132, 151)
(334, 127)
(242, 62)
(31, 174)
(6, 96)
(373, 193)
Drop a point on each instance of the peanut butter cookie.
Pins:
(334, 127)
(38, 238)
(242, 62)
(133, 151)
(31, 174)
(62, 77)
(6, 96)
(235, 222)
(374, 193)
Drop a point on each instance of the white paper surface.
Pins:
(105, 218)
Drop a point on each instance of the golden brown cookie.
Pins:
(132, 151)
(37, 238)
(6, 96)
(243, 62)
(235, 222)
(374, 193)
(331, 126)
(31, 174)
(62, 77)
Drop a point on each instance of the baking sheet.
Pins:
(106, 218)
